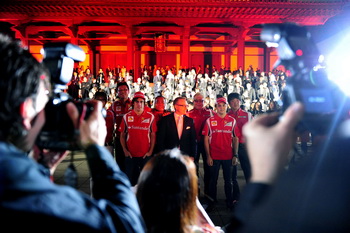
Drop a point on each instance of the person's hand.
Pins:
(127, 153)
(209, 161)
(93, 130)
(48, 158)
(148, 154)
(234, 161)
(269, 141)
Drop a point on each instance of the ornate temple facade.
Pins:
(177, 33)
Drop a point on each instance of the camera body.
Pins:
(58, 132)
(309, 83)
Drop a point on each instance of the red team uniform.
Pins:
(220, 135)
(138, 128)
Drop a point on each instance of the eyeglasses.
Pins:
(199, 101)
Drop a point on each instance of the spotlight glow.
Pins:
(338, 64)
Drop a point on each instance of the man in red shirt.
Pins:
(119, 107)
(159, 108)
(242, 117)
(200, 114)
(221, 146)
(137, 137)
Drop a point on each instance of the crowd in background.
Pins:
(261, 91)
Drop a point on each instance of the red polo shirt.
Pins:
(138, 130)
(242, 117)
(119, 109)
(199, 117)
(221, 133)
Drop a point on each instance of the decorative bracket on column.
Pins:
(159, 41)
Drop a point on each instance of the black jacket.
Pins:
(167, 136)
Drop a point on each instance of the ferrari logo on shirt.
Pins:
(130, 119)
(214, 123)
(145, 120)
(118, 108)
(228, 124)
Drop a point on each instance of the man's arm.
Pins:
(269, 141)
(111, 190)
(193, 139)
(152, 143)
(124, 146)
(207, 150)
(235, 144)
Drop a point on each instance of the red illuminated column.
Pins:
(130, 49)
(185, 47)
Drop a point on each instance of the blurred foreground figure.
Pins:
(167, 193)
(29, 200)
(311, 197)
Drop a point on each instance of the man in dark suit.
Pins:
(177, 130)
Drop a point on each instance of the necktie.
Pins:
(179, 125)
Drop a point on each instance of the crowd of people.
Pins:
(312, 197)
(261, 91)
(199, 112)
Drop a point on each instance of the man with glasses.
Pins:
(177, 130)
(200, 114)
(137, 137)
(119, 107)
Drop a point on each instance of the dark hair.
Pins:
(122, 84)
(260, 106)
(166, 192)
(101, 94)
(20, 78)
(178, 98)
(232, 96)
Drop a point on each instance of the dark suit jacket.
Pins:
(167, 137)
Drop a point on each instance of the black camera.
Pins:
(308, 83)
(58, 133)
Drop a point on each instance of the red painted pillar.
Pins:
(130, 50)
(185, 47)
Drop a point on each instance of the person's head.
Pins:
(101, 96)
(138, 102)
(221, 106)
(234, 100)
(180, 105)
(198, 100)
(166, 192)
(273, 106)
(257, 106)
(159, 103)
(24, 90)
(123, 90)
(249, 85)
